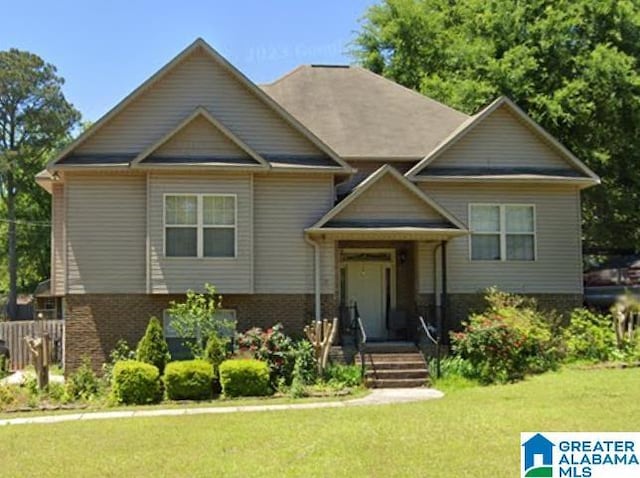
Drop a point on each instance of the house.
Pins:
(330, 187)
(538, 445)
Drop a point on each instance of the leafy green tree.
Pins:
(572, 65)
(153, 348)
(195, 319)
(35, 118)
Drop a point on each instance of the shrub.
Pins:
(4, 366)
(452, 366)
(244, 378)
(216, 351)
(510, 339)
(305, 367)
(273, 347)
(135, 382)
(590, 336)
(188, 380)
(9, 395)
(122, 351)
(83, 384)
(342, 376)
(56, 392)
(153, 348)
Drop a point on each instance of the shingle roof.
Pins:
(360, 114)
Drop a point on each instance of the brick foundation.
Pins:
(95, 322)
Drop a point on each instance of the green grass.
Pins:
(102, 406)
(472, 432)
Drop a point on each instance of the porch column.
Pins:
(442, 316)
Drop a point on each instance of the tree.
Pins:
(35, 118)
(195, 319)
(153, 348)
(572, 65)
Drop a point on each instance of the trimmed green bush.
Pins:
(244, 378)
(188, 380)
(153, 348)
(135, 382)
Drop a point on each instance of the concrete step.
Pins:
(394, 357)
(397, 374)
(397, 383)
(400, 364)
(391, 347)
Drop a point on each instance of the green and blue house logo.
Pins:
(580, 455)
(538, 457)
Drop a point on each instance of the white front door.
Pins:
(366, 287)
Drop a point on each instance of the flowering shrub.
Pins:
(273, 347)
(510, 339)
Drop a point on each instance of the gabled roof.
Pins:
(239, 76)
(471, 123)
(363, 115)
(449, 223)
(201, 112)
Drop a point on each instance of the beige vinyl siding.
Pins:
(58, 274)
(200, 138)
(558, 265)
(500, 141)
(106, 233)
(389, 200)
(179, 274)
(197, 81)
(285, 204)
(425, 266)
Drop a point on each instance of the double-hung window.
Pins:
(502, 232)
(200, 225)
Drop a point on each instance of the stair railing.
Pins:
(360, 337)
(428, 332)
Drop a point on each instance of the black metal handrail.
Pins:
(360, 336)
(426, 330)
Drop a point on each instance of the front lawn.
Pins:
(471, 432)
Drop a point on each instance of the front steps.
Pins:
(395, 366)
(390, 364)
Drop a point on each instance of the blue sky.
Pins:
(104, 49)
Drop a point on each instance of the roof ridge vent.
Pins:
(320, 65)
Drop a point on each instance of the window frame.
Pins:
(503, 233)
(200, 225)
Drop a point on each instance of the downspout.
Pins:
(316, 270)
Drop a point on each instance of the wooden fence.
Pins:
(13, 333)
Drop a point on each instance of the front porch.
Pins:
(390, 243)
(388, 285)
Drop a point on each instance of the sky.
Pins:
(106, 48)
